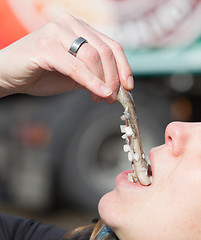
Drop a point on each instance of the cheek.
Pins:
(179, 206)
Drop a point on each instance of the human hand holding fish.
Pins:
(54, 59)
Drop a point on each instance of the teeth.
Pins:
(127, 148)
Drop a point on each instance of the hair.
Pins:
(88, 232)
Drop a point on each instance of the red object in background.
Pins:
(10, 27)
(34, 134)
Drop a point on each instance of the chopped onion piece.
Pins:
(130, 157)
(126, 110)
(129, 131)
(122, 128)
(126, 148)
(124, 136)
(123, 118)
(130, 177)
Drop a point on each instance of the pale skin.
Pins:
(171, 207)
(40, 64)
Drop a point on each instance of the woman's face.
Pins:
(171, 207)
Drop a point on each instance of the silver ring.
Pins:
(76, 45)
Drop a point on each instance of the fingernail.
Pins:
(106, 90)
(130, 82)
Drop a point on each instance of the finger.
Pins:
(91, 57)
(108, 64)
(124, 70)
(106, 54)
(62, 61)
(109, 68)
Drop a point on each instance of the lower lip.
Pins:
(122, 180)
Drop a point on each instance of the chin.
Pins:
(108, 210)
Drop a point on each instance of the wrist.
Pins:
(6, 88)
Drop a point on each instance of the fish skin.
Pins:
(125, 98)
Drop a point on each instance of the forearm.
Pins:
(18, 228)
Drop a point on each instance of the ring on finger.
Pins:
(76, 45)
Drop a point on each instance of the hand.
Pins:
(40, 64)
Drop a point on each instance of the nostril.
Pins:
(169, 138)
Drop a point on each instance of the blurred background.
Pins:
(60, 154)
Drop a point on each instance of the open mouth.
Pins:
(132, 176)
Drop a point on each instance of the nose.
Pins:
(177, 135)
